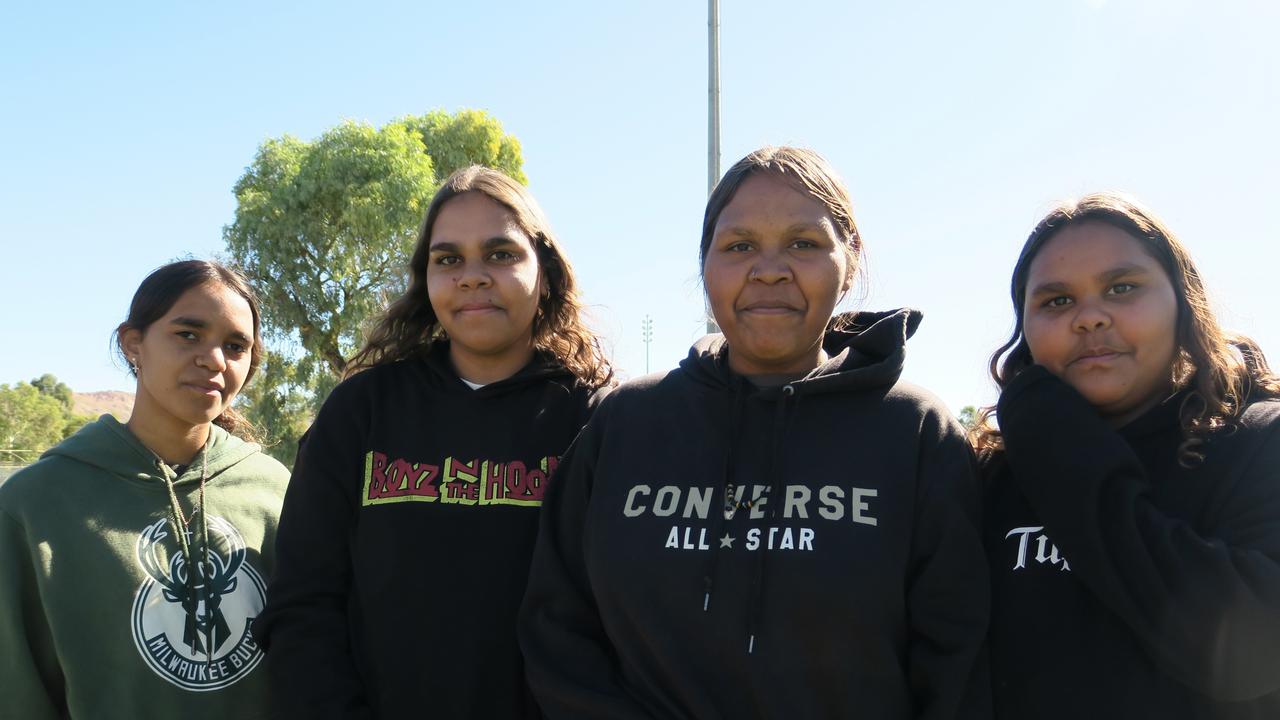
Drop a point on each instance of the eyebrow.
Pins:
(1106, 276)
(197, 323)
(490, 244)
(791, 229)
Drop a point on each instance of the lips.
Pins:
(1096, 355)
(769, 307)
(206, 388)
(476, 309)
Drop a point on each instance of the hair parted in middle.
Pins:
(1222, 369)
(808, 173)
(409, 327)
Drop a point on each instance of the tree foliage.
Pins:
(470, 137)
(278, 401)
(324, 230)
(36, 416)
(48, 384)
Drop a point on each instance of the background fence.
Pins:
(11, 461)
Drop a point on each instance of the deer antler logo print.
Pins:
(191, 616)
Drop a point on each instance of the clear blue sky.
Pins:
(124, 126)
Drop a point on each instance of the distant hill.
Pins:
(114, 402)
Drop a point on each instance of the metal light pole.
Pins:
(713, 113)
(646, 330)
(713, 94)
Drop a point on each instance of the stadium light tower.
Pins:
(646, 330)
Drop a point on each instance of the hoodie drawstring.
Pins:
(781, 429)
(784, 414)
(730, 499)
(180, 523)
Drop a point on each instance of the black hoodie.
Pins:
(1126, 585)
(405, 539)
(853, 584)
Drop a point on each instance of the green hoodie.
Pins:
(99, 617)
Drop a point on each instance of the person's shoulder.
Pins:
(28, 483)
(648, 387)
(636, 395)
(908, 409)
(908, 393)
(391, 373)
(1261, 416)
(1256, 433)
(377, 381)
(1243, 457)
(264, 467)
(907, 397)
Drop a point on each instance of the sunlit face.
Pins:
(1102, 314)
(774, 272)
(193, 360)
(483, 280)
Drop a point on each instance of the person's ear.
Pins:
(850, 270)
(131, 344)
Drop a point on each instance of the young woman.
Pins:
(1133, 518)
(134, 556)
(409, 522)
(780, 527)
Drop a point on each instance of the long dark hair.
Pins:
(1223, 370)
(162, 288)
(409, 326)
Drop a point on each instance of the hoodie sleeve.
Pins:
(569, 661)
(31, 683)
(948, 593)
(304, 627)
(1206, 608)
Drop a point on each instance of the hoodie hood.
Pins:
(864, 349)
(109, 445)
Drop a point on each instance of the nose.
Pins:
(473, 276)
(1091, 317)
(771, 269)
(213, 358)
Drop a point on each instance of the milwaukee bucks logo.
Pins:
(191, 617)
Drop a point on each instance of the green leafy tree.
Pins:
(469, 137)
(324, 230)
(31, 421)
(278, 402)
(48, 384)
(968, 417)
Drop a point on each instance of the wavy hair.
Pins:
(162, 288)
(410, 327)
(1222, 370)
